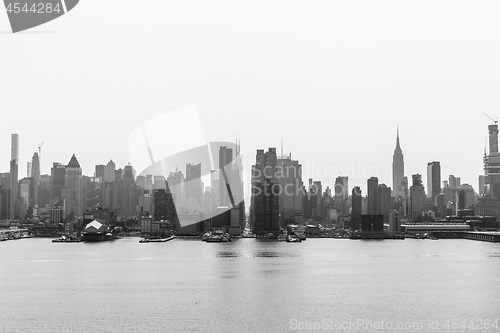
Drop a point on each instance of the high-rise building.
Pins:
(109, 172)
(265, 201)
(492, 164)
(384, 201)
(57, 181)
(129, 174)
(176, 183)
(372, 186)
(14, 176)
(35, 174)
(433, 180)
(193, 186)
(341, 192)
(310, 201)
(417, 196)
(398, 171)
(73, 181)
(225, 161)
(99, 171)
(356, 211)
(159, 182)
(289, 176)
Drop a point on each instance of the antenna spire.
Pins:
(281, 146)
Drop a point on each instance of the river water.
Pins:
(250, 285)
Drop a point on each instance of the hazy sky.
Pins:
(333, 78)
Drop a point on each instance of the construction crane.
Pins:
(495, 121)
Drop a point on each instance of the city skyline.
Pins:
(357, 174)
(393, 68)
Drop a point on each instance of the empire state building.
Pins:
(398, 170)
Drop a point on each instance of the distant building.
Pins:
(417, 196)
(310, 201)
(341, 191)
(492, 164)
(398, 170)
(265, 198)
(356, 208)
(488, 206)
(433, 180)
(110, 172)
(373, 204)
(372, 222)
(176, 184)
(99, 171)
(57, 181)
(14, 177)
(160, 205)
(384, 201)
(193, 186)
(35, 174)
(289, 176)
(73, 181)
(225, 161)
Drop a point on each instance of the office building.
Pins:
(289, 176)
(433, 180)
(225, 161)
(265, 198)
(398, 170)
(417, 196)
(193, 187)
(372, 186)
(57, 181)
(14, 177)
(384, 201)
(73, 181)
(341, 192)
(356, 211)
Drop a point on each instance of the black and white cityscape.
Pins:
(280, 200)
(265, 166)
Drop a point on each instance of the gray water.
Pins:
(249, 285)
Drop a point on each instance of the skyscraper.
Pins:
(193, 186)
(265, 201)
(372, 186)
(99, 171)
(176, 183)
(57, 181)
(341, 192)
(109, 172)
(356, 208)
(492, 164)
(433, 180)
(398, 170)
(225, 161)
(35, 174)
(289, 175)
(73, 181)
(417, 196)
(14, 176)
(384, 201)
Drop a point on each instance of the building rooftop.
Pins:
(73, 162)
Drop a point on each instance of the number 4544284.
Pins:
(36, 8)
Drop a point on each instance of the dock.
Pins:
(485, 236)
